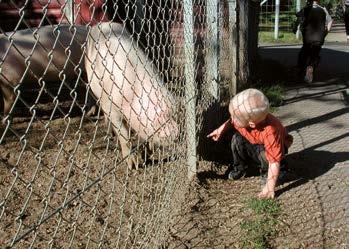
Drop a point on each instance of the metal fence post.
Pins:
(69, 11)
(190, 96)
(212, 41)
(234, 43)
(277, 16)
(298, 8)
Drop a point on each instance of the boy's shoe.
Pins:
(308, 78)
(282, 177)
(236, 173)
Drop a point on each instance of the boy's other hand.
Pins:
(266, 194)
(215, 135)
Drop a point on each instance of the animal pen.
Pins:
(63, 179)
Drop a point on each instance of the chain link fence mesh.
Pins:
(77, 94)
(277, 20)
(287, 15)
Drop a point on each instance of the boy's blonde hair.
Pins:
(249, 105)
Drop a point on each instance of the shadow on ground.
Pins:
(217, 152)
(310, 164)
(279, 64)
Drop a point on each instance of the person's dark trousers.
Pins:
(346, 19)
(309, 55)
(245, 153)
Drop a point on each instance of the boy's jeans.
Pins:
(245, 153)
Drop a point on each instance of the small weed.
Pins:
(262, 224)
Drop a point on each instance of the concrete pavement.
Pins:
(317, 115)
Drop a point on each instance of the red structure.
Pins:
(33, 14)
(89, 12)
(16, 14)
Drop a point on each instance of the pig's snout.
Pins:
(169, 128)
(170, 131)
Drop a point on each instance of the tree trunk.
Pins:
(248, 20)
(253, 38)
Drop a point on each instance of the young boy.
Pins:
(259, 137)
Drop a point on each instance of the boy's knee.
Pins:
(237, 139)
(237, 143)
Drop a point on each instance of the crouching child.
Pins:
(260, 137)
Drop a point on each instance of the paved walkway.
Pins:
(337, 33)
(317, 115)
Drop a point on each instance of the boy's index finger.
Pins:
(210, 135)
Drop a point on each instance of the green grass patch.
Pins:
(263, 206)
(261, 225)
(275, 93)
(284, 38)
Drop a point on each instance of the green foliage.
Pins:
(265, 206)
(262, 223)
(284, 37)
(329, 3)
(275, 93)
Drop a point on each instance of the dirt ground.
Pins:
(62, 185)
(217, 206)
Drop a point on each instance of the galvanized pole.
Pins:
(298, 8)
(277, 16)
(190, 94)
(234, 45)
(69, 11)
(212, 44)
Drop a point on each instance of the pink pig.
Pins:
(129, 89)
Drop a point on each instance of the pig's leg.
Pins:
(8, 98)
(123, 135)
(91, 107)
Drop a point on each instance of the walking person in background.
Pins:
(346, 17)
(315, 23)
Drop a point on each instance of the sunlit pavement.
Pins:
(317, 115)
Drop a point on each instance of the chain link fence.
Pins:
(102, 107)
(278, 19)
(287, 15)
(278, 22)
